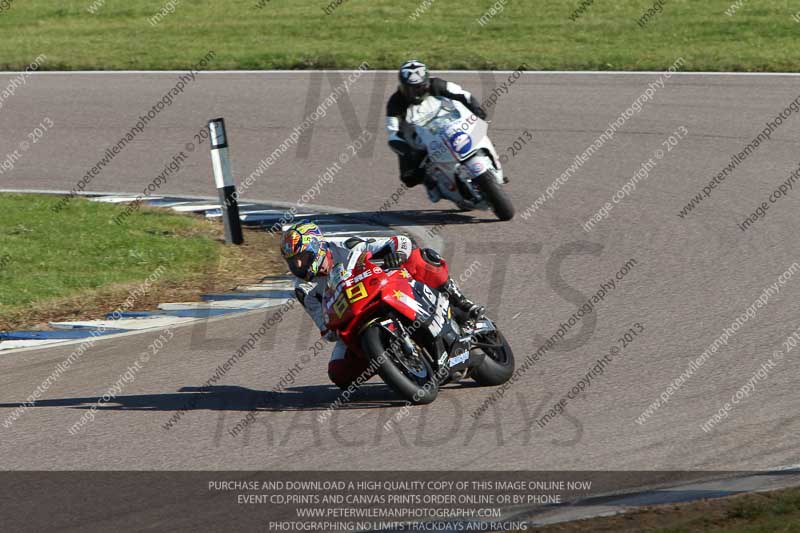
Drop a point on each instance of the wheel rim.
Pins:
(412, 367)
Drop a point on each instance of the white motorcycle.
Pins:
(460, 157)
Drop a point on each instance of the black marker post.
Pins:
(224, 180)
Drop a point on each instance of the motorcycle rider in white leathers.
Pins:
(415, 85)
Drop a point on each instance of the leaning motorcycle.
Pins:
(461, 158)
(406, 331)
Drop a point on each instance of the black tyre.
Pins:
(497, 198)
(498, 365)
(414, 380)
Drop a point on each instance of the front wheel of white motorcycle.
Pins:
(495, 196)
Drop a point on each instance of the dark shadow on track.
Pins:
(423, 217)
(407, 217)
(233, 398)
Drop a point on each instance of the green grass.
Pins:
(768, 512)
(764, 512)
(292, 34)
(46, 256)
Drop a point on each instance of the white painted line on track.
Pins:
(114, 199)
(189, 208)
(128, 324)
(28, 343)
(252, 303)
(115, 336)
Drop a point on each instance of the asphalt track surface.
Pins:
(693, 277)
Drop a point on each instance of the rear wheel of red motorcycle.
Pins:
(415, 383)
(498, 365)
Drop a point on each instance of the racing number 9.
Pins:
(356, 292)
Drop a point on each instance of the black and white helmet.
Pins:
(414, 80)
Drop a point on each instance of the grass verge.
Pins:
(79, 264)
(763, 512)
(714, 35)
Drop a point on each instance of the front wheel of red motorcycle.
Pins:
(410, 377)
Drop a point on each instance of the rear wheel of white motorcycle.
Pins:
(413, 379)
(498, 364)
(497, 198)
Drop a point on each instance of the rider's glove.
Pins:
(394, 260)
(330, 335)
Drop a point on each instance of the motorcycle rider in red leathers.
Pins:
(311, 259)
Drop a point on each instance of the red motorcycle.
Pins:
(407, 332)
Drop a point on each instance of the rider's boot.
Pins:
(461, 302)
